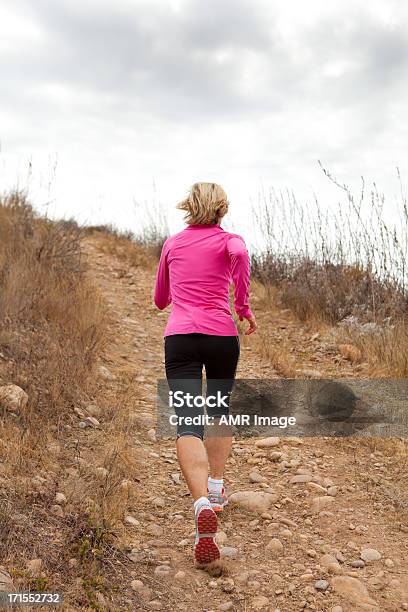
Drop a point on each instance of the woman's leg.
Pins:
(184, 373)
(221, 359)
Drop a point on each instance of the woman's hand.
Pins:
(252, 324)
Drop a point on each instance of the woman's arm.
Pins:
(240, 272)
(162, 295)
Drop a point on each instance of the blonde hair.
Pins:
(205, 204)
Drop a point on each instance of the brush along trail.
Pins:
(316, 523)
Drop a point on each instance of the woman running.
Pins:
(196, 268)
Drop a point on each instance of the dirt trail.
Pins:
(355, 484)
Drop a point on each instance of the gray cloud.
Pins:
(233, 85)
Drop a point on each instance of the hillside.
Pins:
(93, 522)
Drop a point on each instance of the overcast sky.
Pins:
(107, 102)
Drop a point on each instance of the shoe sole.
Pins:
(206, 550)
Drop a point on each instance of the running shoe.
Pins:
(217, 500)
(205, 548)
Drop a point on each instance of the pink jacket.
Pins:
(196, 268)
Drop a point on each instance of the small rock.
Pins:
(131, 520)
(151, 434)
(319, 503)
(34, 566)
(332, 491)
(267, 442)
(6, 581)
(260, 602)
(229, 551)
(92, 421)
(301, 478)
(57, 510)
(255, 501)
(105, 373)
(162, 570)
(154, 530)
(180, 576)
(256, 477)
(370, 554)
(331, 564)
(358, 563)
(353, 591)
(159, 502)
(228, 605)
(155, 604)
(389, 563)
(93, 410)
(60, 498)
(321, 585)
(221, 537)
(275, 547)
(137, 585)
(13, 398)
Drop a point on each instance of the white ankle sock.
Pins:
(215, 485)
(199, 503)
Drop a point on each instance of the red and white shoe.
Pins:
(205, 547)
(217, 500)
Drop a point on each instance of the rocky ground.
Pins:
(313, 523)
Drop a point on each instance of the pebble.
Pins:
(154, 530)
(34, 566)
(105, 373)
(358, 563)
(229, 551)
(130, 520)
(228, 605)
(319, 503)
(6, 581)
(267, 442)
(255, 501)
(137, 585)
(301, 478)
(57, 510)
(389, 563)
(321, 585)
(60, 498)
(353, 590)
(13, 398)
(370, 554)
(275, 547)
(331, 564)
(260, 602)
(221, 537)
(256, 477)
(332, 491)
(162, 570)
(151, 435)
(155, 604)
(180, 576)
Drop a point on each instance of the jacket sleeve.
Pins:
(162, 295)
(240, 272)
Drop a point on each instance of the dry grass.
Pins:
(332, 265)
(53, 330)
